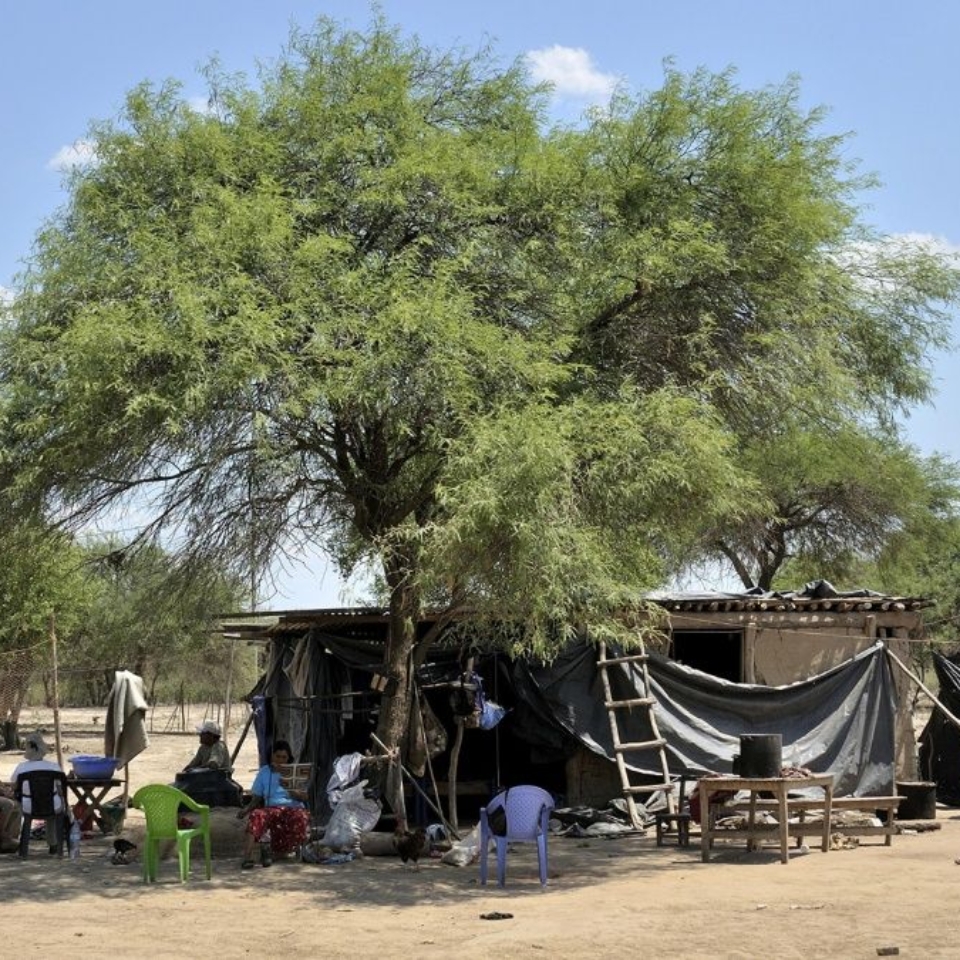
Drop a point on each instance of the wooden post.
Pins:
(455, 761)
(56, 689)
(426, 748)
(750, 653)
(922, 686)
(243, 736)
(229, 691)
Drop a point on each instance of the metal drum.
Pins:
(919, 800)
(761, 754)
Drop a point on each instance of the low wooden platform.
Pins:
(885, 808)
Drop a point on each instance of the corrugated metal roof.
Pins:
(818, 596)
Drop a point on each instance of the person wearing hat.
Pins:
(35, 748)
(212, 753)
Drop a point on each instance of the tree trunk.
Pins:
(393, 725)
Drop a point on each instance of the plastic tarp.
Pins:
(301, 692)
(840, 722)
(940, 740)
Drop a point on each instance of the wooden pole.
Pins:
(922, 686)
(243, 736)
(452, 775)
(416, 786)
(455, 758)
(56, 689)
(426, 748)
(229, 691)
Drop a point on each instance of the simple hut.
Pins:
(808, 664)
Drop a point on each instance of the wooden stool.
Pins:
(681, 818)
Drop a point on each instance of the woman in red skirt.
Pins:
(274, 812)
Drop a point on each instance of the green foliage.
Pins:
(729, 257)
(147, 615)
(921, 556)
(566, 514)
(834, 502)
(42, 584)
(110, 609)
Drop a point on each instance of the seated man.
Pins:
(212, 753)
(35, 748)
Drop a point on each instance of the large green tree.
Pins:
(372, 302)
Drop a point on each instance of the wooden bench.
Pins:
(803, 805)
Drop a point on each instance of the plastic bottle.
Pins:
(266, 857)
(75, 840)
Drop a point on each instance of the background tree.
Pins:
(833, 502)
(41, 580)
(372, 303)
(145, 614)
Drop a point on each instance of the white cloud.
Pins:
(571, 71)
(868, 262)
(80, 153)
(925, 241)
(200, 104)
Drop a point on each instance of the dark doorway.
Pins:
(718, 652)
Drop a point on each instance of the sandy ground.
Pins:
(606, 898)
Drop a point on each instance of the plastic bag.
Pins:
(466, 851)
(353, 815)
(491, 714)
(497, 818)
(346, 769)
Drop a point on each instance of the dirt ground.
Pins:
(605, 898)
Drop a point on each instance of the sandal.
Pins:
(247, 865)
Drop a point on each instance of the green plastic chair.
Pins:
(161, 805)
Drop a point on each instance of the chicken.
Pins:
(122, 850)
(411, 845)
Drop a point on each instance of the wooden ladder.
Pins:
(614, 711)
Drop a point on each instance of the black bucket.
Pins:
(761, 754)
(919, 800)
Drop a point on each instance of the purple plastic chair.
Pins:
(528, 816)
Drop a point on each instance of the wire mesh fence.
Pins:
(182, 687)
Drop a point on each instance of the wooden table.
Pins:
(93, 795)
(779, 787)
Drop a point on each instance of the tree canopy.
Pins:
(373, 301)
(833, 502)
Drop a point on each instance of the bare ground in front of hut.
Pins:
(606, 898)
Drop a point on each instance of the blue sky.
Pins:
(888, 72)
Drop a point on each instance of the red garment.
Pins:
(718, 796)
(289, 826)
(84, 816)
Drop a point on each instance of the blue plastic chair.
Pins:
(528, 818)
(161, 806)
